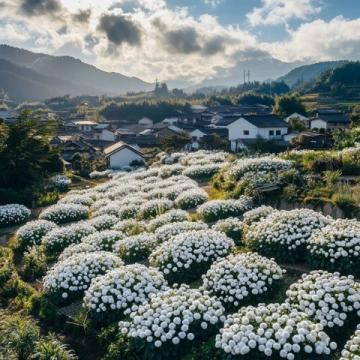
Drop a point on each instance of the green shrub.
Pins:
(50, 348)
(48, 198)
(6, 265)
(34, 263)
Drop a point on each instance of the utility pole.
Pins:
(249, 76)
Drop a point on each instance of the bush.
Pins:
(257, 214)
(274, 331)
(50, 348)
(336, 247)
(231, 227)
(135, 248)
(32, 233)
(202, 172)
(191, 199)
(284, 235)
(221, 209)
(189, 255)
(13, 214)
(7, 266)
(34, 264)
(189, 316)
(130, 227)
(68, 279)
(64, 213)
(166, 232)
(352, 348)
(61, 182)
(119, 292)
(154, 208)
(103, 240)
(103, 222)
(241, 279)
(168, 218)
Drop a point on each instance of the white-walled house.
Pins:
(121, 155)
(85, 125)
(170, 121)
(330, 119)
(249, 129)
(304, 119)
(146, 122)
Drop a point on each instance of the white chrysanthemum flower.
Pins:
(130, 227)
(120, 291)
(242, 277)
(189, 255)
(64, 213)
(13, 214)
(154, 208)
(62, 182)
(166, 232)
(168, 218)
(257, 214)
(104, 240)
(231, 227)
(103, 222)
(77, 199)
(191, 199)
(351, 350)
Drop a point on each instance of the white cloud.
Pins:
(320, 41)
(275, 12)
(213, 3)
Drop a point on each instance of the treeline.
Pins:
(155, 110)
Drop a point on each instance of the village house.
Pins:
(145, 122)
(330, 120)
(296, 116)
(249, 129)
(85, 125)
(121, 155)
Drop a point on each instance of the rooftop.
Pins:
(119, 146)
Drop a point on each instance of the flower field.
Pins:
(149, 265)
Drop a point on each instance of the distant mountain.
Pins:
(260, 70)
(64, 75)
(307, 73)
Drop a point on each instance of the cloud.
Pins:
(275, 12)
(120, 29)
(320, 40)
(183, 41)
(39, 7)
(82, 16)
(213, 3)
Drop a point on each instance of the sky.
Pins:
(183, 40)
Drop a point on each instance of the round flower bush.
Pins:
(104, 240)
(103, 222)
(77, 249)
(31, 233)
(13, 214)
(215, 210)
(284, 235)
(58, 239)
(155, 208)
(336, 247)
(64, 213)
(191, 199)
(61, 182)
(231, 227)
(275, 331)
(168, 218)
(120, 291)
(242, 278)
(77, 199)
(202, 172)
(169, 324)
(130, 227)
(328, 298)
(68, 279)
(257, 214)
(166, 232)
(261, 164)
(189, 255)
(351, 350)
(135, 248)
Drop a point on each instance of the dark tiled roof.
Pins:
(333, 117)
(265, 121)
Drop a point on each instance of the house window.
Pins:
(246, 132)
(278, 132)
(271, 132)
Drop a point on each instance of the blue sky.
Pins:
(184, 41)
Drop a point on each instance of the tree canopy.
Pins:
(288, 104)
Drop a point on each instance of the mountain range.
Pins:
(26, 75)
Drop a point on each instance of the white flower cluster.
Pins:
(189, 255)
(69, 279)
(231, 227)
(238, 278)
(130, 226)
(103, 222)
(257, 214)
(202, 172)
(191, 198)
(103, 240)
(336, 247)
(63, 213)
(58, 239)
(100, 174)
(168, 218)
(78, 248)
(352, 348)
(261, 164)
(155, 208)
(328, 298)
(76, 199)
(166, 171)
(166, 232)
(174, 317)
(135, 248)
(32, 232)
(61, 182)
(203, 157)
(215, 210)
(274, 331)
(285, 234)
(121, 291)
(13, 214)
